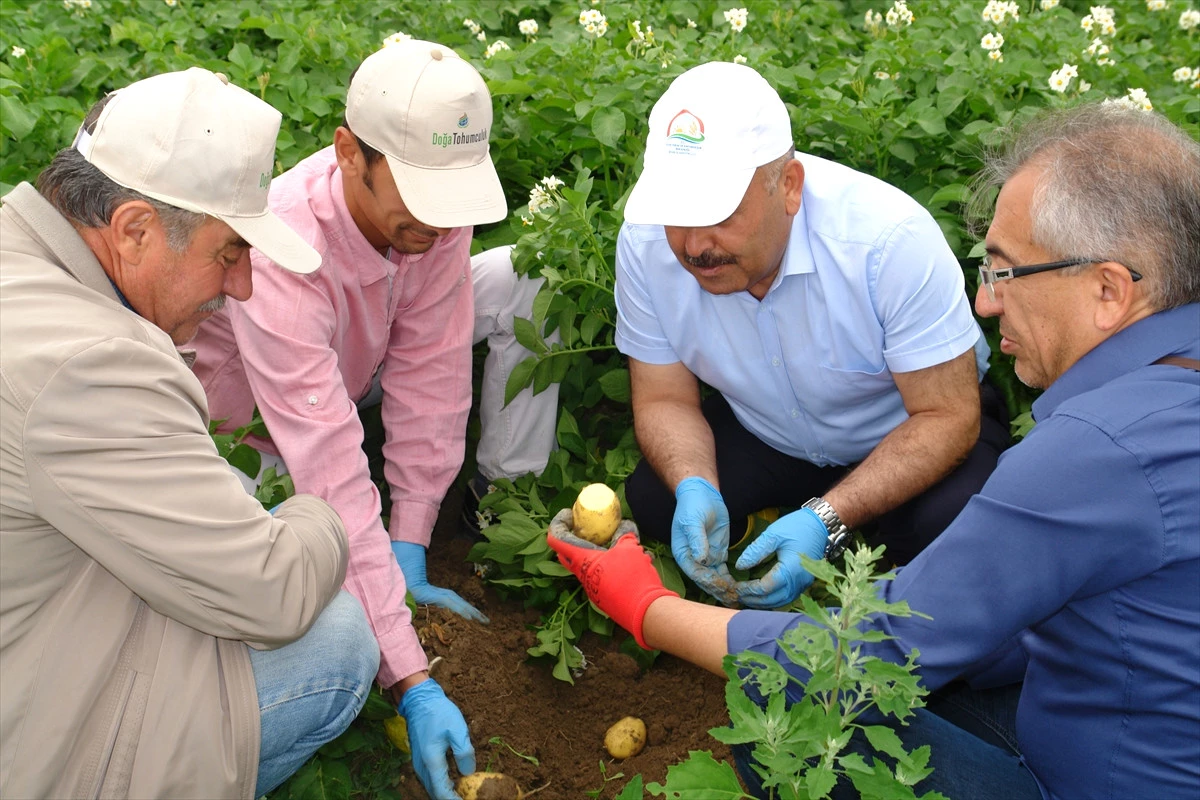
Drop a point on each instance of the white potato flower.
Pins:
(1060, 79)
(691, 23)
(1180, 75)
(19, 52)
(1135, 99)
(1189, 19)
(495, 47)
(992, 41)
(396, 38)
(1049, 4)
(736, 17)
(898, 16)
(872, 20)
(1156, 5)
(739, 59)
(528, 27)
(883, 76)
(1097, 47)
(996, 55)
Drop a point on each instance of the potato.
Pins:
(488, 786)
(626, 738)
(596, 513)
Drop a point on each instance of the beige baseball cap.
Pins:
(430, 114)
(713, 127)
(195, 141)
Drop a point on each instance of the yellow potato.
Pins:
(596, 513)
(397, 732)
(488, 786)
(626, 738)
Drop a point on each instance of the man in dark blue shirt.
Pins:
(1072, 580)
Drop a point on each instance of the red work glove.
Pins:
(619, 579)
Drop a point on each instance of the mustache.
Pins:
(216, 304)
(709, 258)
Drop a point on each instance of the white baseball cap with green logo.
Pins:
(713, 127)
(195, 141)
(430, 113)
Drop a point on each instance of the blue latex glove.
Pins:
(799, 532)
(411, 558)
(700, 537)
(434, 725)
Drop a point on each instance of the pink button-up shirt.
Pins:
(305, 348)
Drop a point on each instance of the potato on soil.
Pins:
(626, 738)
(596, 513)
(488, 786)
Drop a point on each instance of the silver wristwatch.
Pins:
(838, 532)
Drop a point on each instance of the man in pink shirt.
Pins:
(390, 207)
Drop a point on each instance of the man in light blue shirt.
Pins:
(828, 313)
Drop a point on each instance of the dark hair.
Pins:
(88, 198)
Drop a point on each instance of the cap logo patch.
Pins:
(685, 133)
(264, 180)
(463, 121)
(448, 138)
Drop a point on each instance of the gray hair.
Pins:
(88, 198)
(1118, 184)
(773, 170)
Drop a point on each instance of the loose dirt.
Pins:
(503, 693)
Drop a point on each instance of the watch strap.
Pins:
(838, 532)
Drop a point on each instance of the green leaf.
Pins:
(528, 337)
(519, 378)
(615, 384)
(246, 459)
(608, 125)
(700, 777)
(632, 790)
(16, 118)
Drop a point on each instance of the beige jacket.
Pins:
(134, 569)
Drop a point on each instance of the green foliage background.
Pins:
(914, 105)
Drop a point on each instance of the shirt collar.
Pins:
(1172, 332)
(797, 256)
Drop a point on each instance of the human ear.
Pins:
(349, 154)
(1115, 293)
(133, 227)
(793, 186)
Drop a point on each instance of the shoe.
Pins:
(472, 518)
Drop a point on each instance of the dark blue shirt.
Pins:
(1076, 570)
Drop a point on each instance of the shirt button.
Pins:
(774, 362)
(312, 399)
(795, 412)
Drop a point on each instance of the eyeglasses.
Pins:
(989, 276)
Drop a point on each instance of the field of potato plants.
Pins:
(910, 92)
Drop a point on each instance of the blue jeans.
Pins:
(312, 689)
(977, 761)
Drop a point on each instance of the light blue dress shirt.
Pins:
(868, 287)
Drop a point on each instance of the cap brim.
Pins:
(686, 198)
(273, 238)
(451, 198)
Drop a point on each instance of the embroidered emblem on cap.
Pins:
(685, 133)
(463, 121)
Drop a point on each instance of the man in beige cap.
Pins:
(390, 316)
(161, 634)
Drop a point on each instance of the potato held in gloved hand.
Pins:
(596, 514)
